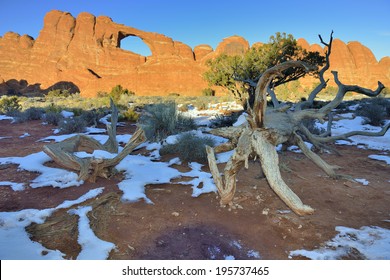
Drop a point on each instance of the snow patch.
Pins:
(364, 182)
(203, 182)
(26, 134)
(50, 176)
(371, 242)
(14, 186)
(380, 157)
(92, 248)
(4, 117)
(15, 243)
(67, 114)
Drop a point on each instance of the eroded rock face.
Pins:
(355, 63)
(85, 51)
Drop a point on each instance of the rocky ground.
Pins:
(178, 226)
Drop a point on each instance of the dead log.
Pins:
(90, 168)
(267, 128)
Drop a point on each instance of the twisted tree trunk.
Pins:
(265, 129)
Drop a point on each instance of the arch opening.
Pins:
(134, 44)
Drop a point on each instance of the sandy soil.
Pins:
(179, 226)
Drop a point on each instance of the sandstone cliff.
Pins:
(85, 51)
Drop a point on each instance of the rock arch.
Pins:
(135, 44)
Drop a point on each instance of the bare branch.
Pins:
(345, 136)
(343, 89)
(328, 169)
(321, 73)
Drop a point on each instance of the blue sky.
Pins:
(208, 22)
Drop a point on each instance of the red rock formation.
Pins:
(355, 63)
(86, 52)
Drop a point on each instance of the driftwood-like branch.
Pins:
(310, 100)
(270, 165)
(347, 135)
(90, 168)
(343, 89)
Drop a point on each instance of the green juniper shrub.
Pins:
(162, 119)
(118, 91)
(72, 125)
(53, 108)
(129, 115)
(10, 105)
(189, 147)
(208, 92)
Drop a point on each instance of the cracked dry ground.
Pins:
(178, 226)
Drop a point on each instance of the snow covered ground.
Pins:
(372, 243)
(139, 171)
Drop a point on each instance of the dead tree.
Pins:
(267, 128)
(90, 168)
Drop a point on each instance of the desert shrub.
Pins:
(373, 114)
(383, 102)
(91, 117)
(30, 114)
(129, 115)
(310, 124)
(9, 105)
(173, 94)
(53, 118)
(162, 119)
(224, 120)
(74, 125)
(58, 93)
(118, 91)
(189, 147)
(208, 92)
(53, 108)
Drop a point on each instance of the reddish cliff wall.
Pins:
(86, 51)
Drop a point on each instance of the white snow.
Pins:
(25, 135)
(92, 248)
(4, 117)
(346, 125)
(14, 186)
(67, 114)
(371, 242)
(140, 171)
(380, 157)
(224, 157)
(364, 182)
(202, 182)
(253, 254)
(15, 243)
(241, 120)
(50, 176)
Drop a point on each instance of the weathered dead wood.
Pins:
(227, 186)
(269, 128)
(90, 168)
(270, 163)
